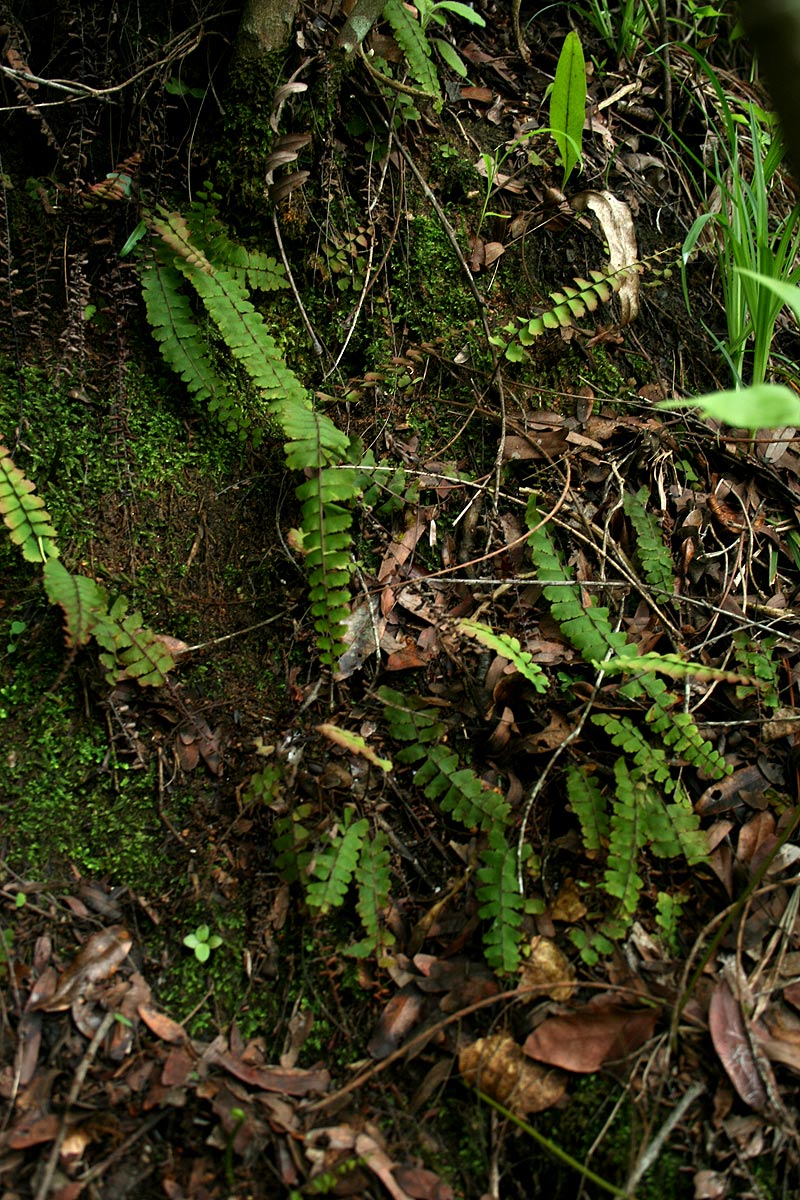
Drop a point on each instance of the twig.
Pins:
(316, 344)
(45, 1183)
(652, 1151)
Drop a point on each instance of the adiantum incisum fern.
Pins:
(193, 254)
(645, 807)
(129, 648)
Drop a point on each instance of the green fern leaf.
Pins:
(373, 883)
(24, 513)
(651, 760)
(184, 347)
(173, 230)
(334, 865)
(508, 647)
(84, 602)
(132, 650)
(326, 546)
(291, 844)
(654, 556)
(459, 791)
(415, 46)
(621, 877)
(411, 720)
(588, 803)
(500, 902)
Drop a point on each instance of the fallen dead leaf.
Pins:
(729, 1035)
(583, 1041)
(99, 959)
(616, 222)
(497, 1066)
(547, 965)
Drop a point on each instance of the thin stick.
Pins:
(45, 1183)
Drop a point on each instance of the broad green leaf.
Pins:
(763, 406)
(568, 103)
(788, 292)
(449, 55)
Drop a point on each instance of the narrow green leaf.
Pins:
(568, 103)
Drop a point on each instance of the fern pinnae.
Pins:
(621, 877)
(587, 801)
(415, 46)
(24, 514)
(334, 864)
(655, 558)
(500, 902)
(373, 882)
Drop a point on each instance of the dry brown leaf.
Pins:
(547, 966)
(568, 905)
(729, 1035)
(397, 1020)
(596, 1034)
(497, 1066)
(99, 959)
(162, 1026)
(616, 222)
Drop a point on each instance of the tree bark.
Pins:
(266, 26)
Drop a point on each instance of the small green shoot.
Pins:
(202, 942)
(568, 104)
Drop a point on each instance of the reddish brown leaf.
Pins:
(497, 1066)
(397, 1020)
(729, 1035)
(33, 1132)
(162, 1026)
(599, 1033)
(99, 959)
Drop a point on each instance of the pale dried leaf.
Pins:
(616, 222)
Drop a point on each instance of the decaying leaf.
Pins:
(600, 1032)
(354, 743)
(497, 1066)
(616, 222)
(728, 1033)
(98, 960)
(547, 966)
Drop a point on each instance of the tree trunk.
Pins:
(266, 26)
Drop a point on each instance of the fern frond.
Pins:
(326, 546)
(681, 734)
(84, 602)
(655, 558)
(173, 230)
(589, 805)
(673, 829)
(334, 865)
(507, 647)
(373, 883)
(132, 650)
(184, 347)
(24, 514)
(671, 665)
(459, 791)
(291, 844)
(588, 629)
(756, 660)
(621, 877)
(257, 270)
(500, 902)
(651, 760)
(568, 306)
(411, 720)
(415, 46)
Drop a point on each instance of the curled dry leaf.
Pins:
(616, 222)
(99, 959)
(729, 1035)
(497, 1066)
(547, 972)
(583, 1041)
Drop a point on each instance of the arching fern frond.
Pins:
(415, 46)
(655, 558)
(184, 347)
(333, 865)
(500, 901)
(507, 647)
(587, 801)
(459, 791)
(82, 600)
(24, 514)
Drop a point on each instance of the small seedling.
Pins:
(202, 942)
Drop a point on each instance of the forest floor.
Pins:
(177, 1021)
